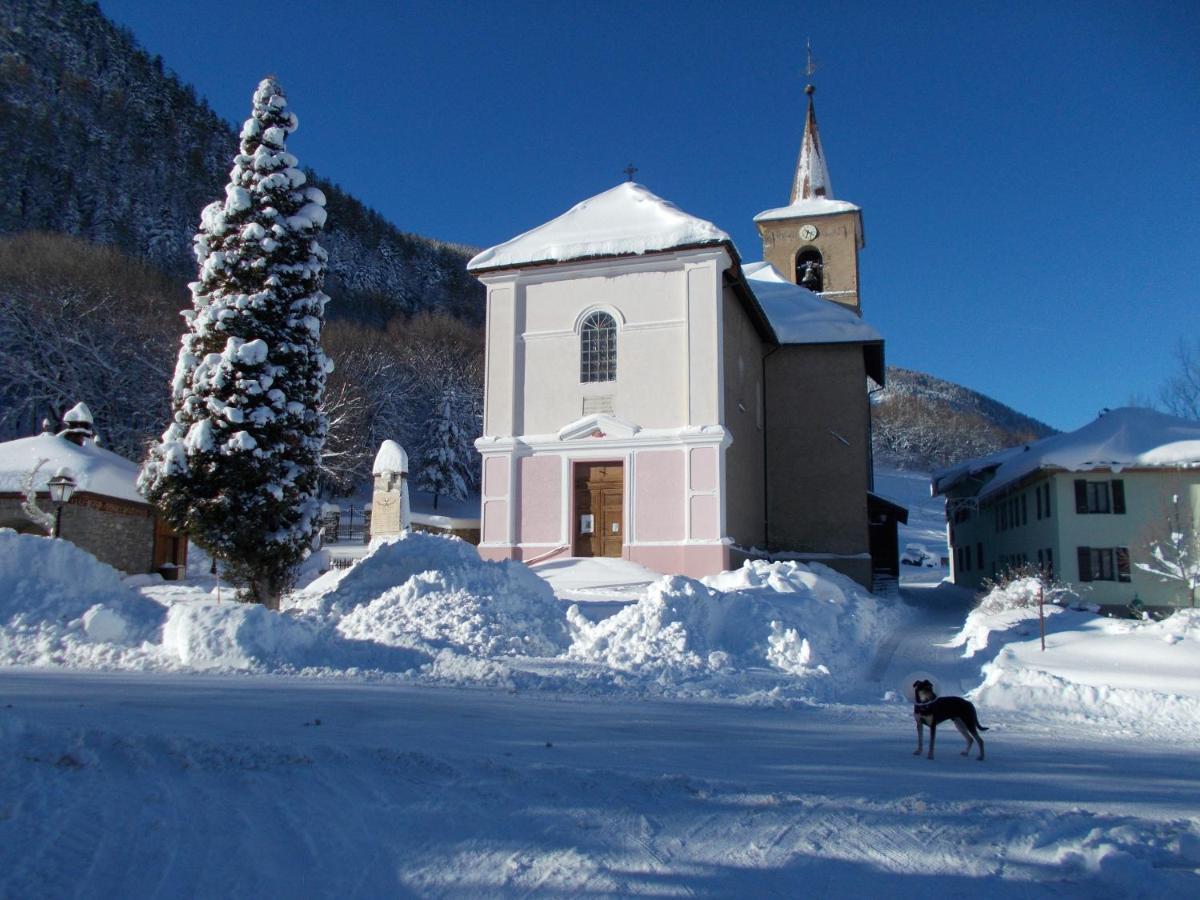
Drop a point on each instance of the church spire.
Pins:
(812, 176)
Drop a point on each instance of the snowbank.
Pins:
(1134, 676)
(59, 605)
(805, 622)
(426, 590)
(426, 607)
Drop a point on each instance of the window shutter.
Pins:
(1118, 496)
(1080, 496)
(1085, 561)
(1039, 502)
(1123, 573)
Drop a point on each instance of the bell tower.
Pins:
(815, 239)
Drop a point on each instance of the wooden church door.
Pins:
(599, 509)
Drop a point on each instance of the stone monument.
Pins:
(390, 512)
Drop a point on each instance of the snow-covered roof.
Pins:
(801, 317)
(815, 206)
(96, 470)
(79, 413)
(391, 458)
(624, 220)
(1124, 438)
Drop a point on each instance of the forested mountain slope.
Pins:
(923, 422)
(100, 141)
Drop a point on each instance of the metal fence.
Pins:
(348, 526)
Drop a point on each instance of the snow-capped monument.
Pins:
(390, 512)
(648, 396)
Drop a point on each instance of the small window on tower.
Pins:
(810, 269)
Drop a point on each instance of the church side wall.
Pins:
(744, 495)
(817, 412)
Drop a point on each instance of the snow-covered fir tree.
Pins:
(237, 467)
(446, 456)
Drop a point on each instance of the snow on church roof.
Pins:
(799, 316)
(814, 206)
(627, 219)
(1119, 439)
(94, 469)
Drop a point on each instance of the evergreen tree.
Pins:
(447, 455)
(237, 467)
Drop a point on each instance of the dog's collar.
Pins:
(925, 702)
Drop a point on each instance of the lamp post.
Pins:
(61, 487)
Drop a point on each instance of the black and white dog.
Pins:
(931, 710)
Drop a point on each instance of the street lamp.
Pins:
(61, 487)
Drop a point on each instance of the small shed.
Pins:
(106, 515)
(885, 517)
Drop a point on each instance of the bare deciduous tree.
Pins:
(1180, 396)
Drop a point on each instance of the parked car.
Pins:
(919, 555)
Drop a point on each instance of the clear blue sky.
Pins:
(1029, 171)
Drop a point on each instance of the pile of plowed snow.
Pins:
(784, 617)
(1139, 675)
(424, 606)
(59, 605)
(431, 592)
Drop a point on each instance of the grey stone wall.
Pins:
(117, 533)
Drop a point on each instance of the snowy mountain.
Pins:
(99, 140)
(922, 422)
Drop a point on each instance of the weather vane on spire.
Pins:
(630, 171)
(810, 67)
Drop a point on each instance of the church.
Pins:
(649, 395)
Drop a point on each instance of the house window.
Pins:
(1047, 499)
(598, 348)
(1104, 564)
(1099, 496)
(1049, 562)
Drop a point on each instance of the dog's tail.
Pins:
(980, 727)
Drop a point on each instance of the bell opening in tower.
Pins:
(810, 269)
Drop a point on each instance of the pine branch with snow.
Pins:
(447, 455)
(237, 467)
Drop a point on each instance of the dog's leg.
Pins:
(932, 737)
(979, 738)
(920, 737)
(963, 730)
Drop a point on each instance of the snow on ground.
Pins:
(392, 735)
(144, 785)
(425, 606)
(1137, 677)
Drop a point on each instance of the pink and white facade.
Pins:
(660, 418)
(626, 393)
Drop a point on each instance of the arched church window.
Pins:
(598, 348)
(810, 269)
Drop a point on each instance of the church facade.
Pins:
(650, 396)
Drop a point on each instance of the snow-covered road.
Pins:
(181, 785)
